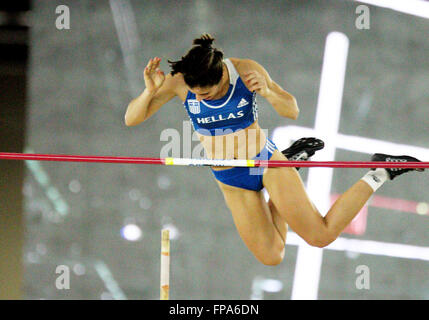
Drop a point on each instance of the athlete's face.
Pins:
(212, 92)
(205, 93)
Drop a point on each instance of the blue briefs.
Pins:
(245, 177)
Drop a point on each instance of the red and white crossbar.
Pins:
(210, 162)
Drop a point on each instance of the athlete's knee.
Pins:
(271, 261)
(274, 258)
(319, 243)
(321, 240)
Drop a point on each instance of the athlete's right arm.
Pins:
(159, 90)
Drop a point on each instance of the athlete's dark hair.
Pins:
(202, 66)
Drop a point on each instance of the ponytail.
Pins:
(205, 41)
(202, 66)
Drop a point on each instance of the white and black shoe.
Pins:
(394, 172)
(303, 149)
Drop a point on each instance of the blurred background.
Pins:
(65, 85)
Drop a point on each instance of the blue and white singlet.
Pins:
(235, 111)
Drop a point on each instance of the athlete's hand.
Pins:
(256, 82)
(153, 76)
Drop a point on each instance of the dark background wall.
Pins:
(14, 38)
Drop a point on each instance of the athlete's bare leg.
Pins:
(258, 223)
(287, 192)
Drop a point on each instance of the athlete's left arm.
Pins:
(257, 79)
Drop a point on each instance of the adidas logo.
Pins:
(375, 178)
(303, 156)
(242, 103)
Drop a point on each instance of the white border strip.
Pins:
(309, 259)
(129, 41)
(417, 8)
(106, 276)
(350, 143)
(388, 249)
